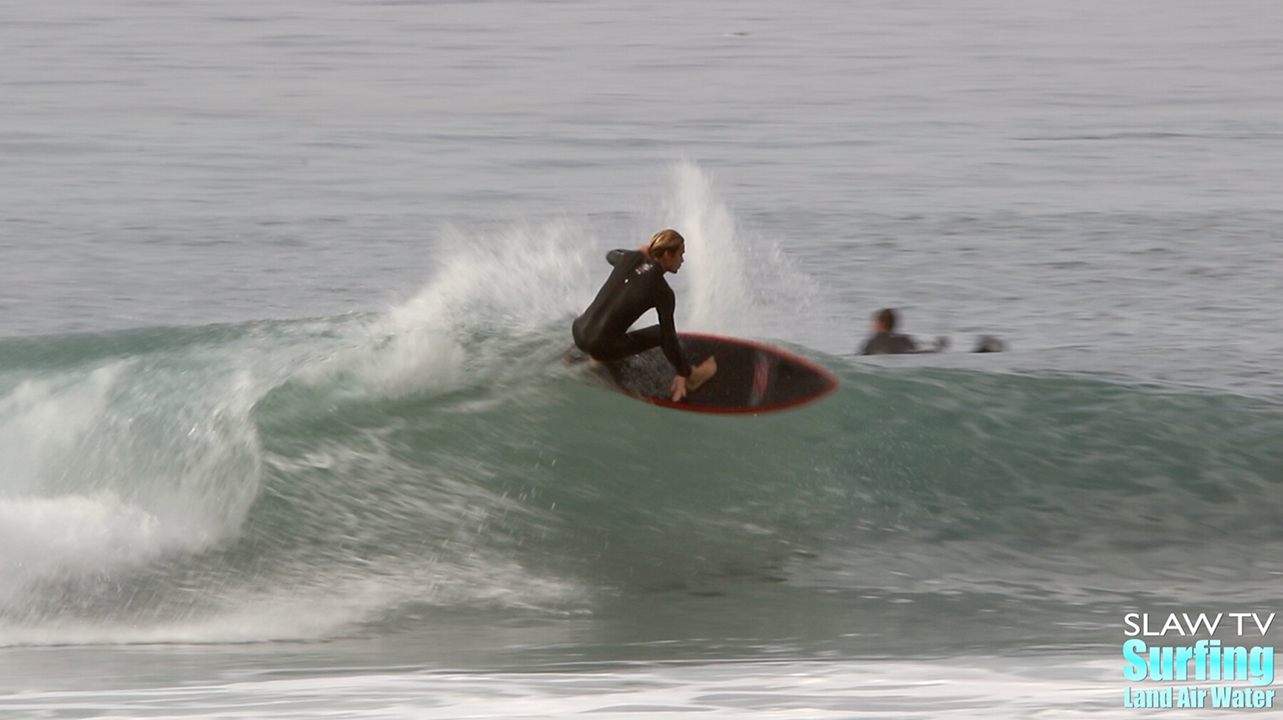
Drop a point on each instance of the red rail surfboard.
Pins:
(751, 377)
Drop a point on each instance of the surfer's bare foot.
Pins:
(701, 374)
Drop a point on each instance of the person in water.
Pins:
(886, 341)
(636, 285)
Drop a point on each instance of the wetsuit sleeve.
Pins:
(614, 256)
(665, 306)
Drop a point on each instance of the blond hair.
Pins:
(665, 241)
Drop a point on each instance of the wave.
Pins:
(294, 479)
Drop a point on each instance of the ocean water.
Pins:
(286, 431)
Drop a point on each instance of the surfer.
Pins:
(636, 285)
(886, 341)
(989, 344)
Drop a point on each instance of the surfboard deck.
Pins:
(751, 377)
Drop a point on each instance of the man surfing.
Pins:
(636, 285)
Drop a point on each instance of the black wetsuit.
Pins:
(887, 343)
(635, 286)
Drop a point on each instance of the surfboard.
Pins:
(751, 377)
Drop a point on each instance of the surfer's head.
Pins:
(668, 248)
(884, 321)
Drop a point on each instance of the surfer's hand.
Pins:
(679, 388)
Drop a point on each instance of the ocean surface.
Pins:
(285, 288)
